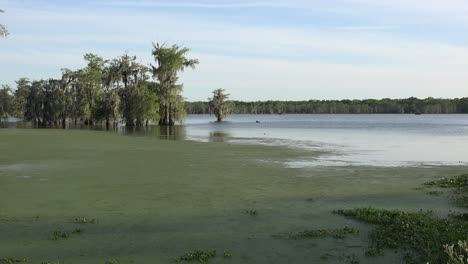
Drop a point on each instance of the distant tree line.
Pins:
(110, 91)
(410, 105)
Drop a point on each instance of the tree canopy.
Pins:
(169, 62)
(3, 30)
(110, 91)
(218, 104)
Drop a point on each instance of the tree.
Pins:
(218, 104)
(170, 61)
(6, 102)
(3, 31)
(132, 75)
(23, 89)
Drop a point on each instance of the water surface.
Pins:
(374, 140)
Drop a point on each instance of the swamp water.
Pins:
(155, 200)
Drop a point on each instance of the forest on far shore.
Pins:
(410, 105)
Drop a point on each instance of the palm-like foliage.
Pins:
(219, 106)
(170, 61)
(3, 31)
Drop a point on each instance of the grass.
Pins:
(197, 255)
(419, 236)
(338, 233)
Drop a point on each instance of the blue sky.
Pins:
(256, 50)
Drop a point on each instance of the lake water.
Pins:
(381, 140)
(158, 199)
(376, 140)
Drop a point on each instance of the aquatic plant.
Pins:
(251, 212)
(84, 220)
(457, 253)
(112, 261)
(13, 260)
(419, 236)
(62, 234)
(51, 262)
(337, 233)
(434, 193)
(197, 255)
(455, 182)
(458, 215)
(227, 254)
(373, 252)
(458, 184)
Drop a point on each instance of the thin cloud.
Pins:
(216, 5)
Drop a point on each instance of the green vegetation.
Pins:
(3, 30)
(64, 235)
(107, 91)
(459, 186)
(420, 236)
(227, 254)
(410, 105)
(457, 253)
(251, 212)
(218, 104)
(197, 255)
(112, 261)
(169, 61)
(338, 233)
(84, 220)
(51, 262)
(13, 260)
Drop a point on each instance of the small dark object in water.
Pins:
(417, 113)
(257, 121)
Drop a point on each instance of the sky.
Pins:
(255, 49)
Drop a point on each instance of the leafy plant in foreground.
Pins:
(420, 236)
(457, 253)
(458, 184)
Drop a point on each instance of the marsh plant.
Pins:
(197, 255)
(337, 233)
(252, 212)
(112, 261)
(459, 186)
(227, 254)
(51, 262)
(13, 260)
(419, 236)
(84, 220)
(64, 235)
(457, 253)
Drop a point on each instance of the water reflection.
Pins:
(161, 132)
